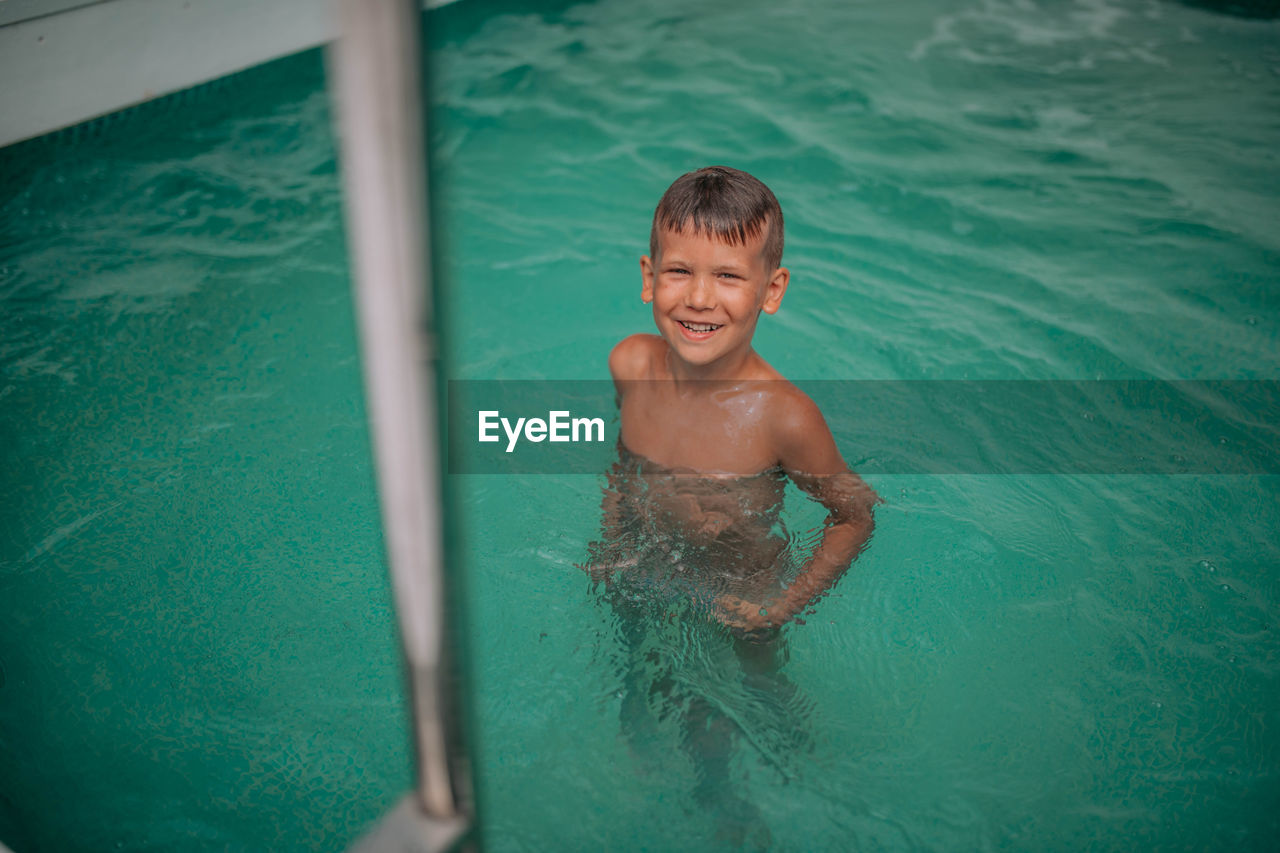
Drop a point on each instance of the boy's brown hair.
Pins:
(724, 203)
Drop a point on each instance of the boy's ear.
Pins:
(646, 276)
(774, 290)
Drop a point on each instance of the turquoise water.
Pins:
(198, 650)
(198, 647)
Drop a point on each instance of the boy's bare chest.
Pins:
(712, 432)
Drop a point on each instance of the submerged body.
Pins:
(675, 543)
(710, 535)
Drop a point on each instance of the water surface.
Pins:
(198, 651)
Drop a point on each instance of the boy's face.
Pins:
(707, 295)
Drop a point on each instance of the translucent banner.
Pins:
(913, 427)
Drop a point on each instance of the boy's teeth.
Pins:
(699, 327)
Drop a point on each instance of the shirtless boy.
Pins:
(697, 401)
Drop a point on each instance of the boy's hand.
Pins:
(746, 616)
(602, 572)
(712, 523)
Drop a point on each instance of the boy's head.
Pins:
(724, 203)
(714, 267)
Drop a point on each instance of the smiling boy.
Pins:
(692, 526)
(698, 402)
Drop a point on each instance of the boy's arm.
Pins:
(848, 527)
(603, 558)
(809, 455)
(627, 362)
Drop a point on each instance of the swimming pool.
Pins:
(201, 652)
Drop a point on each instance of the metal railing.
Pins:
(376, 73)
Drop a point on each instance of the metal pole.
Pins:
(377, 67)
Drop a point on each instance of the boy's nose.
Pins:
(701, 293)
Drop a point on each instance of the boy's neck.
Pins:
(748, 365)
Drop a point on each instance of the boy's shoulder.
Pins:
(634, 356)
(799, 432)
(791, 410)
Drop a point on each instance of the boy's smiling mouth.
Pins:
(699, 328)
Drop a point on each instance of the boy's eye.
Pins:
(729, 275)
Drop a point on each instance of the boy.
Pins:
(692, 514)
(697, 399)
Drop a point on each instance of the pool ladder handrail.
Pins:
(376, 71)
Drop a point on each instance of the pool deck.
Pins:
(67, 61)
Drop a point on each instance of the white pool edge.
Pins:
(68, 61)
